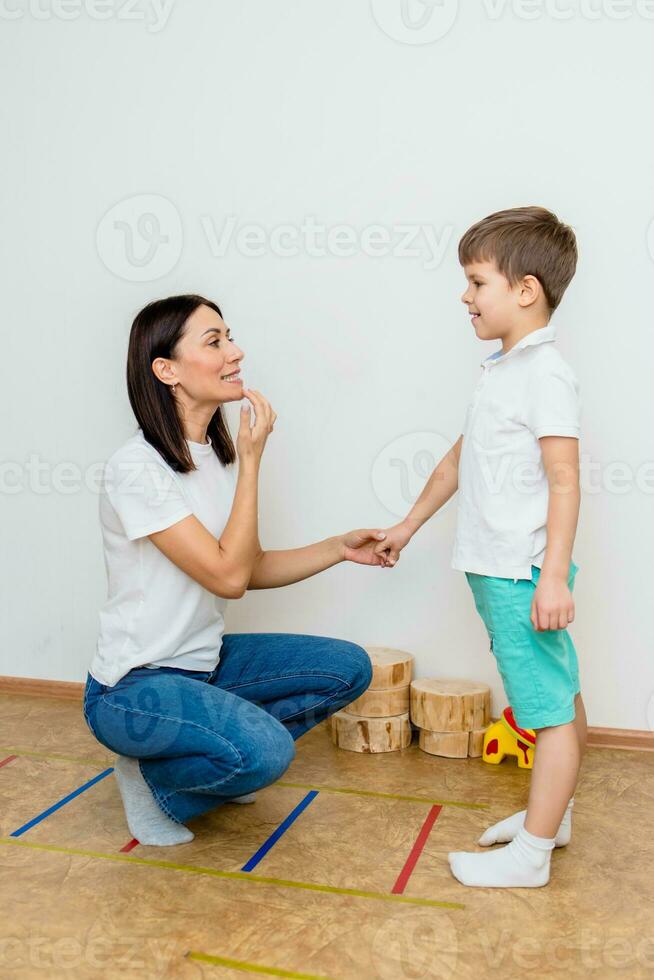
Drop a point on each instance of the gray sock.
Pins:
(145, 818)
(248, 798)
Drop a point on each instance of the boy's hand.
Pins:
(359, 546)
(397, 537)
(552, 607)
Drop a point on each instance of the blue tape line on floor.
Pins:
(283, 827)
(57, 806)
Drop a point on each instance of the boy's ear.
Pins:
(530, 290)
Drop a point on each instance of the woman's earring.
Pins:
(174, 386)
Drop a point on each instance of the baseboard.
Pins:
(605, 738)
(70, 690)
(621, 738)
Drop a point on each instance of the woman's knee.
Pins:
(274, 766)
(355, 666)
(259, 764)
(265, 751)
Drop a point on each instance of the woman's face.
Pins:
(208, 362)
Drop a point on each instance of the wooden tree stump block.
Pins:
(358, 734)
(476, 743)
(449, 705)
(381, 704)
(390, 668)
(452, 745)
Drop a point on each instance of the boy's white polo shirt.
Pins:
(522, 395)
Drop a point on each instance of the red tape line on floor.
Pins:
(416, 851)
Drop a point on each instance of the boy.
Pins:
(516, 467)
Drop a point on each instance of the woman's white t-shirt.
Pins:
(156, 615)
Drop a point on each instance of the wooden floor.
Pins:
(343, 892)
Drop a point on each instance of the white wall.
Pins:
(276, 113)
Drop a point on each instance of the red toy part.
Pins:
(525, 735)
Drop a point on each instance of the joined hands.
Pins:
(376, 547)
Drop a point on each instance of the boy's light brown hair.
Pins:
(525, 242)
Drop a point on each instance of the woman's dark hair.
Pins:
(155, 332)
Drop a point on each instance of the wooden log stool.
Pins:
(389, 690)
(358, 734)
(378, 720)
(452, 716)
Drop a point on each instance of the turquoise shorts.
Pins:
(539, 669)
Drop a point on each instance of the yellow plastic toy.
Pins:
(504, 738)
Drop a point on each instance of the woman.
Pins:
(196, 717)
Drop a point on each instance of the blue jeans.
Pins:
(203, 737)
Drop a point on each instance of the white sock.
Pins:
(145, 818)
(505, 830)
(524, 863)
(248, 798)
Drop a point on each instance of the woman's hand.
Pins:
(397, 537)
(359, 546)
(251, 440)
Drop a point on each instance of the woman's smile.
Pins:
(234, 378)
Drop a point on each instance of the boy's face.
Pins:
(494, 305)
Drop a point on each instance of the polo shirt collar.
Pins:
(535, 337)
